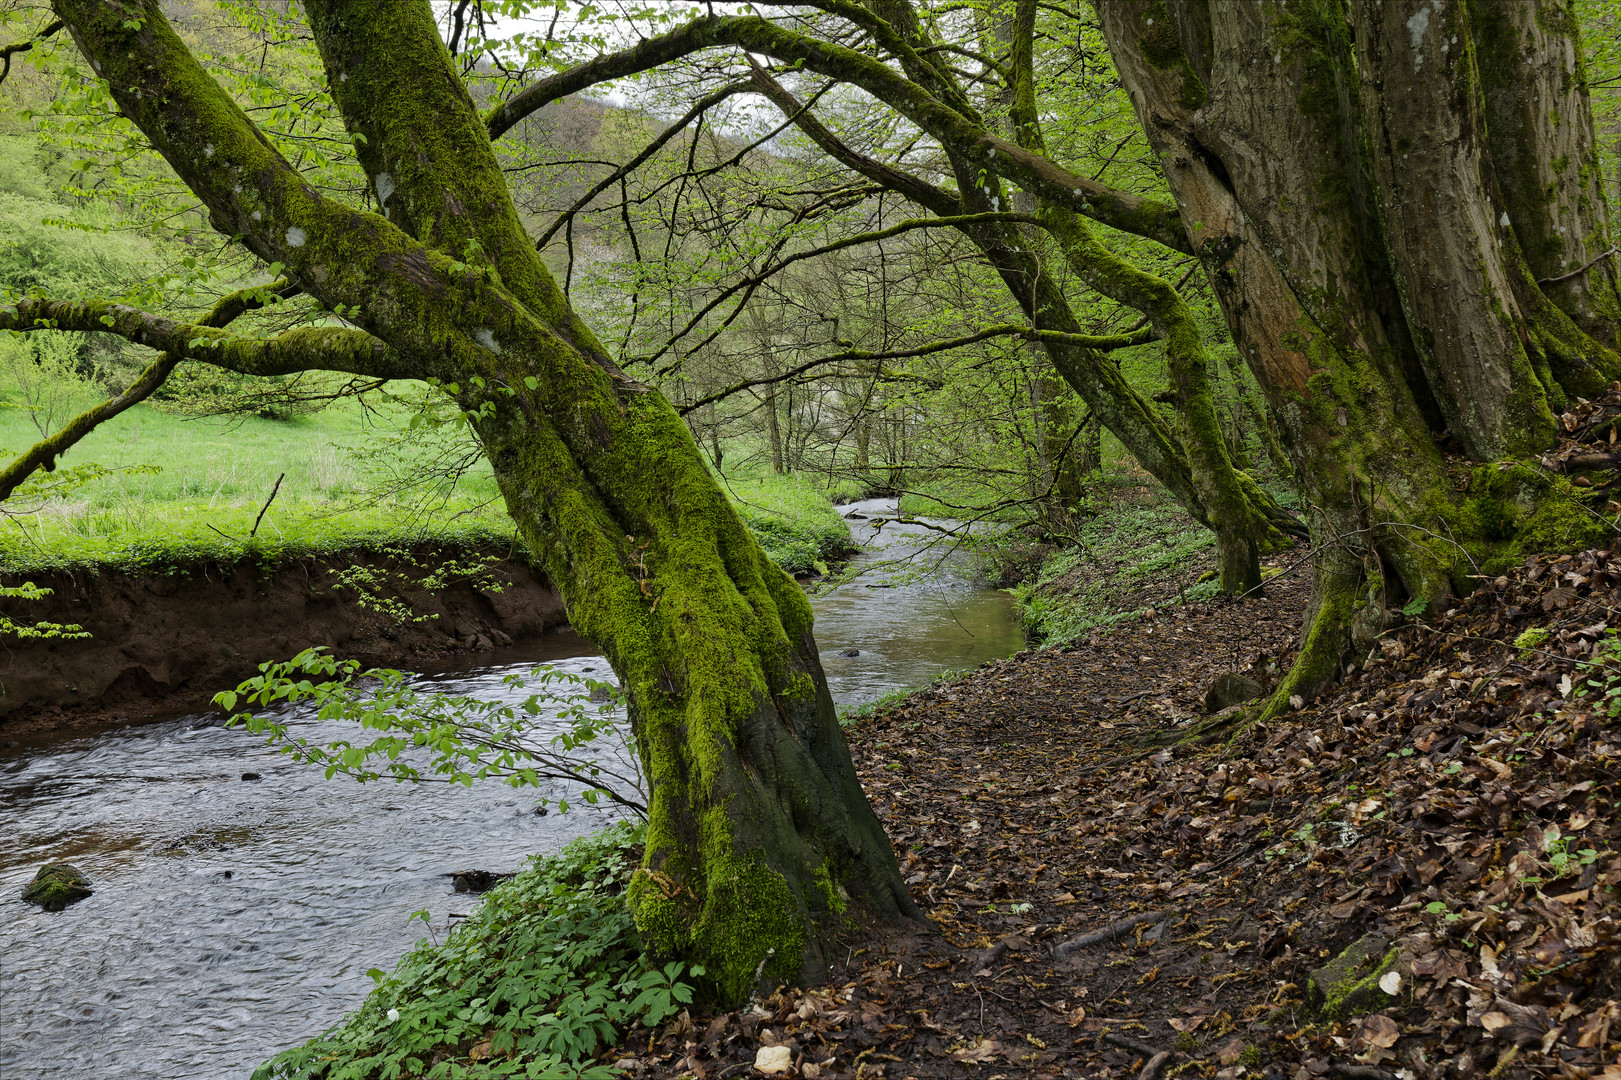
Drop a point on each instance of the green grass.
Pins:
(795, 522)
(212, 476)
(1125, 549)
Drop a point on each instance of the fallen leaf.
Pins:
(772, 1060)
(980, 1052)
(1231, 1052)
(1495, 1021)
(1380, 1030)
(1390, 982)
(1190, 1024)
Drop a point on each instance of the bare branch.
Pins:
(1103, 343)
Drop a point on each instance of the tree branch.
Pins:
(1105, 343)
(961, 134)
(753, 282)
(43, 454)
(304, 348)
(904, 184)
(703, 105)
(23, 46)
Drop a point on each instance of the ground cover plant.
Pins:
(543, 976)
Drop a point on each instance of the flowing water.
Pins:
(233, 917)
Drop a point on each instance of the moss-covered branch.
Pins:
(305, 348)
(43, 454)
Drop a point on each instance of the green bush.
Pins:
(546, 973)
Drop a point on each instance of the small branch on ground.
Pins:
(1108, 933)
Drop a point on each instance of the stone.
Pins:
(1229, 689)
(849, 652)
(475, 881)
(56, 886)
(1349, 984)
(251, 776)
(774, 1060)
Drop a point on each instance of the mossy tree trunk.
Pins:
(759, 834)
(1332, 164)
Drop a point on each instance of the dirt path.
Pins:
(1420, 808)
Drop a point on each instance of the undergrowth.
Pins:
(544, 975)
(1122, 555)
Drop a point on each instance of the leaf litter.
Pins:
(1109, 901)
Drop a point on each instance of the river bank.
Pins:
(166, 642)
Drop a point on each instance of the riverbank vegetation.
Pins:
(1332, 277)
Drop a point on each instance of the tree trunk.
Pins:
(758, 832)
(1331, 164)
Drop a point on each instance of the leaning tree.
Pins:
(760, 842)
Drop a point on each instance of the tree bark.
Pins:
(759, 835)
(1332, 168)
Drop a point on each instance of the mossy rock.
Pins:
(56, 886)
(1348, 985)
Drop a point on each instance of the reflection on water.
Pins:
(233, 918)
(912, 615)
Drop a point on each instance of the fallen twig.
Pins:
(1109, 933)
(1155, 1066)
(1126, 1042)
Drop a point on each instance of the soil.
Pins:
(1120, 888)
(162, 643)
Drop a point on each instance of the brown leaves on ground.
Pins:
(1456, 800)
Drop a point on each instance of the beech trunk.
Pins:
(1365, 184)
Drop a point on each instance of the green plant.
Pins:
(1605, 665)
(463, 738)
(541, 977)
(1528, 640)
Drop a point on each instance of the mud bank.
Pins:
(165, 642)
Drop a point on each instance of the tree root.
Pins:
(1108, 933)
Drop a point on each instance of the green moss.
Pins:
(1518, 511)
(1161, 46)
(56, 886)
(1356, 991)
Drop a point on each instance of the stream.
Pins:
(240, 898)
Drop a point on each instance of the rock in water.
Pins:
(56, 886)
(475, 880)
(849, 652)
(1229, 689)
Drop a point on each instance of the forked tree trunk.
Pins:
(759, 836)
(1332, 165)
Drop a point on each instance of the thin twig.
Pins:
(266, 506)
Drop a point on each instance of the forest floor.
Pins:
(1109, 902)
